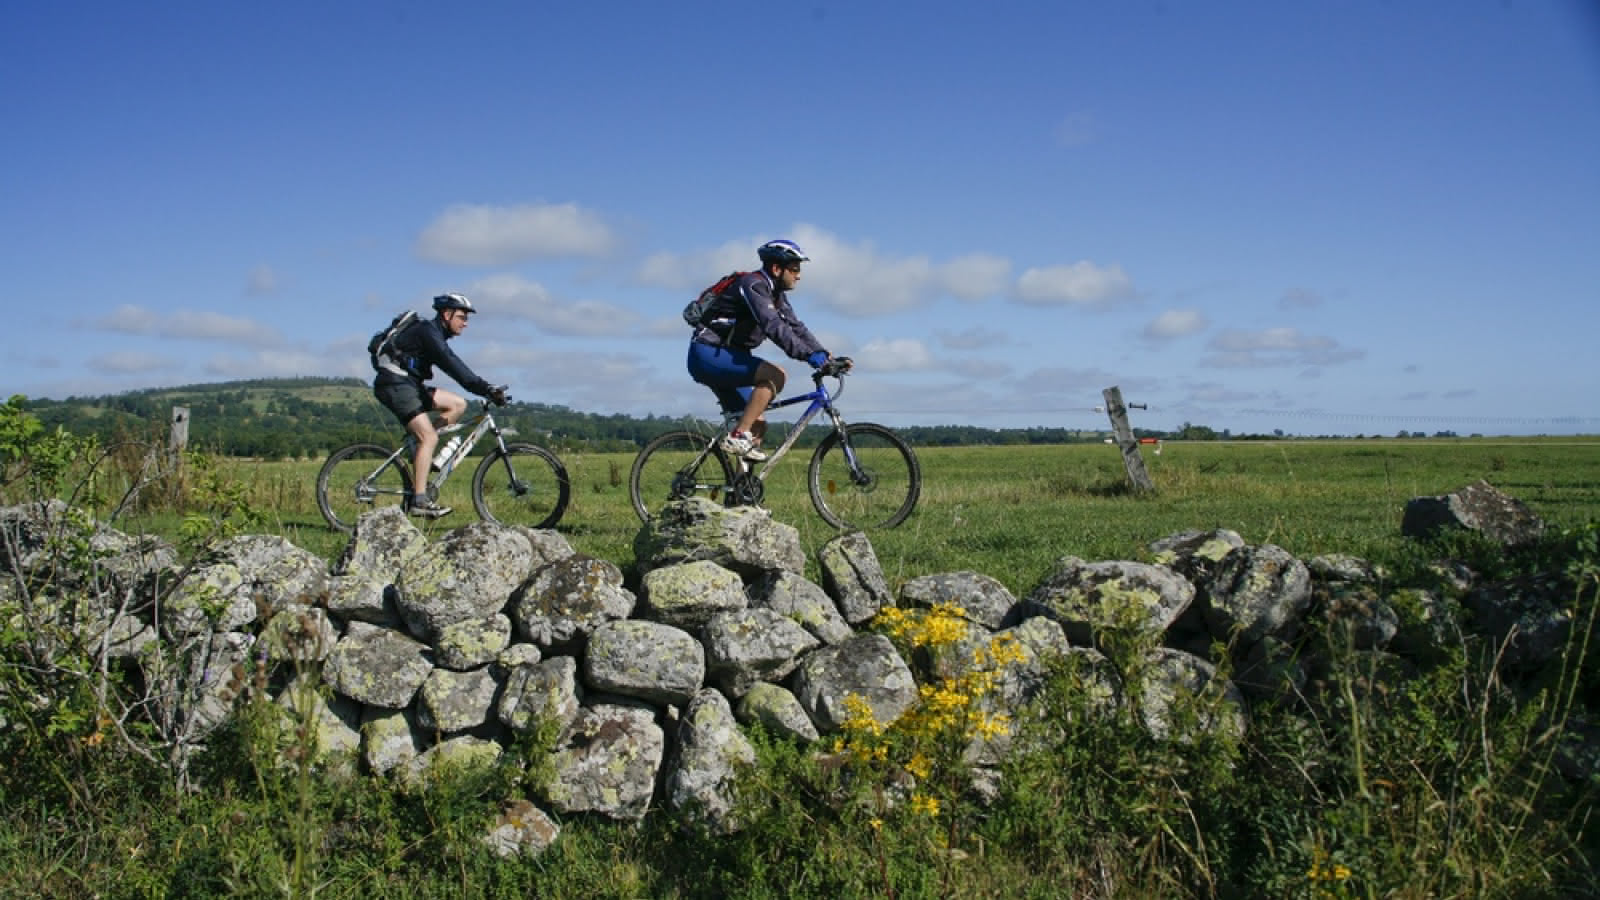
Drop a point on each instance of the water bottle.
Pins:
(445, 452)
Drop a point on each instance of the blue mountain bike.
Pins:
(861, 476)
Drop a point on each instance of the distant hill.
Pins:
(308, 417)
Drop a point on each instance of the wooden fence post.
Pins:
(178, 439)
(1122, 435)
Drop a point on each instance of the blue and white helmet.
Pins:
(781, 251)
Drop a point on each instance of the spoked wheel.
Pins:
(675, 466)
(878, 491)
(359, 478)
(525, 485)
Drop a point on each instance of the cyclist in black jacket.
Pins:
(402, 371)
(754, 308)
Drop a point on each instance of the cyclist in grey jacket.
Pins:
(400, 387)
(753, 309)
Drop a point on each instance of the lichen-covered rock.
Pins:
(455, 756)
(807, 604)
(746, 646)
(276, 572)
(979, 597)
(852, 576)
(562, 602)
(329, 727)
(776, 709)
(389, 739)
(210, 598)
(471, 643)
(648, 660)
(540, 692)
(1182, 697)
(377, 666)
(866, 666)
(711, 754)
(380, 545)
(1090, 599)
(1256, 592)
(688, 594)
(521, 830)
(451, 702)
(468, 575)
(606, 762)
(744, 539)
(298, 634)
(1195, 554)
(363, 598)
(1479, 507)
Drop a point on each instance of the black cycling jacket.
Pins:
(753, 310)
(421, 347)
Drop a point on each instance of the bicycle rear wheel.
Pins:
(878, 491)
(675, 466)
(359, 478)
(525, 485)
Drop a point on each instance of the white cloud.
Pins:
(200, 325)
(515, 296)
(975, 276)
(187, 324)
(1274, 347)
(1081, 284)
(496, 235)
(854, 280)
(1175, 323)
(894, 355)
(127, 319)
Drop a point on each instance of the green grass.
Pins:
(1442, 786)
(1009, 512)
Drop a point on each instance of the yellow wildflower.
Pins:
(919, 765)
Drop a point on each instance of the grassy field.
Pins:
(1010, 511)
(1441, 784)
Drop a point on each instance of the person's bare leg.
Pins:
(769, 383)
(421, 428)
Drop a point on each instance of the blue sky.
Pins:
(1321, 217)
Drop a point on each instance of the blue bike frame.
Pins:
(821, 401)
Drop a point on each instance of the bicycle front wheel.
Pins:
(524, 485)
(359, 478)
(878, 489)
(675, 466)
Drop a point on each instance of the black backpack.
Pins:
(382, 342)
(695, 312)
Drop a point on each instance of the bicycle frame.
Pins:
(821, 401)
(482, 423)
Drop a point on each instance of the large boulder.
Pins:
(866, 667)
(1479, 507)
(562, 602)
(744, 539)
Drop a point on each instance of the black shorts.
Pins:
(406, 398)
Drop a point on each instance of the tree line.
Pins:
(309, 417)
